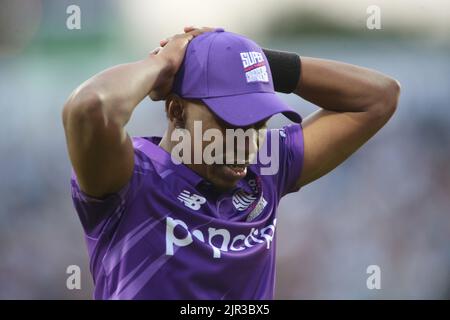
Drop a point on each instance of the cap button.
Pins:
(219, 30)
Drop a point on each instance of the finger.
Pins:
(207, 29)
(189, 28)
(197, 32)
(156, 50)
(163, 42)
(188, 34)
(202, 29)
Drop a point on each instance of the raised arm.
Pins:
(355, 103)
(96, 113)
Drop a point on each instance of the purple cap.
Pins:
(231, 75)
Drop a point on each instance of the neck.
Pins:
(165, 142)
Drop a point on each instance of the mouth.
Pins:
(235, 171)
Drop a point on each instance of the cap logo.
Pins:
(254, 67)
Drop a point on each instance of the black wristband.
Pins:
(285, 68)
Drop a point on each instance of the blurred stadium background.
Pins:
(388, 205)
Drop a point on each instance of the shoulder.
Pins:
(280, 143)
(280, 158)
(146, 151)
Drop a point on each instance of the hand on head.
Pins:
(172, 51)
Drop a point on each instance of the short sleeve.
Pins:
(96, 213)
(284, 149)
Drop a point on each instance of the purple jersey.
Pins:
(169, 235)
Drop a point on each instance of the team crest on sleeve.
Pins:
(242, 200)
(254, 67)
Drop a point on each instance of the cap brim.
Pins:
(247, 109)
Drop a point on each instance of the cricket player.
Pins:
(161, 226)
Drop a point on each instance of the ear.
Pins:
(175, 110)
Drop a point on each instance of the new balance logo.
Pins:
(192, 201)
(242, 200)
